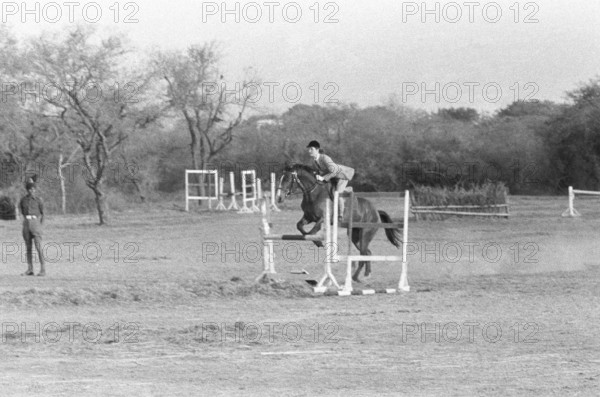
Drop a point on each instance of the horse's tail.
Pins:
(392, 234)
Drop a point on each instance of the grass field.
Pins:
(163, 302)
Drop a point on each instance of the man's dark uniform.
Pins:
(32, 209)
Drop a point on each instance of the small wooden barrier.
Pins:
(470, 210)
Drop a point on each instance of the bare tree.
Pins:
(196, 89)
(95, 101)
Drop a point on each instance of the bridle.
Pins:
(295, 180)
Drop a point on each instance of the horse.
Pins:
(314, 201)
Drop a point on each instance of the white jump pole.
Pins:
(187, 192)
(273, 206)
(253, 208)
(268, 252)
(571, 211)
(256, 187)
(403, 283)
(268, 243)
(244, 209)
(209, 197)
(220, 205)
(329, 254)
(259, 191)
(233, 205)
(216, 190)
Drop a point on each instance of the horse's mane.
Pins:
(298, 166)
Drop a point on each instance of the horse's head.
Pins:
(295, 176)
(287, 183)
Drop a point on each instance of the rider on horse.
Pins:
(329, 171)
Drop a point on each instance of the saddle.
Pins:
(331, 190)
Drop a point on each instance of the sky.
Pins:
(424, 54)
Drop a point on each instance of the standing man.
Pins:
(328, 170)
(32, 209)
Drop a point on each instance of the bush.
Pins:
(485, 197)
(8, 210)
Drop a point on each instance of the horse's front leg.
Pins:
(316, 227)
(300, 225)
(315, 230)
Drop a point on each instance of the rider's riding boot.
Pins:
(341, 210)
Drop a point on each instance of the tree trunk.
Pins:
(202, 165)
(63, 194)
(100, 204)
(139, 190)
(195, 155)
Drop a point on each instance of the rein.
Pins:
(299, 182)
(296, 180)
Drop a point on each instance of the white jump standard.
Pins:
(269, 255)
(571, 211)
(347, 289)
(233, 205)
(249, 197)
(207, 195)
(273, 206)
(221, 205)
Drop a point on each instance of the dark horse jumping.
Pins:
(314, 201)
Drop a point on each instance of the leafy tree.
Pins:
(468, 115)
(573, 139)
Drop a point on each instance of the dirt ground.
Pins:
(163, 302)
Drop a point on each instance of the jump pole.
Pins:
(233, 205)
(220, 205)
(268, 252)
(253, 208)
(329, 255)
(273, 206)
(403, 282)
(207, 185)
(571, 211)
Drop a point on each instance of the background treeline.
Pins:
(111, 127)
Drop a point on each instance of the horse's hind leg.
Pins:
(361, 240)
(361, 264)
